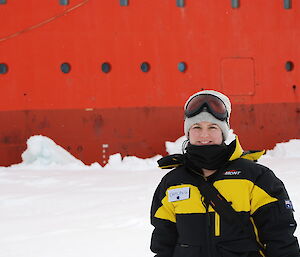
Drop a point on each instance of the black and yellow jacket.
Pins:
(186, 226)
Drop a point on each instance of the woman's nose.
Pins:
(204, 133)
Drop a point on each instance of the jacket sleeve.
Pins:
(164, 236)
(273, 217)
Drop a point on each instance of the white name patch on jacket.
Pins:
(178, 194)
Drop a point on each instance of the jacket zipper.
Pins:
(208, 233)
(209, 226)
(217, 224)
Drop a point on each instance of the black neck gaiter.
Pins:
(211, 157)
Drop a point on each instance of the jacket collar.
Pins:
(176, 160)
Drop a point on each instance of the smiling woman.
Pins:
(215, 200)
(205, 133)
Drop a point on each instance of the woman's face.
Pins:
(205, 133)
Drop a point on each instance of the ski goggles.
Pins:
(209, 103)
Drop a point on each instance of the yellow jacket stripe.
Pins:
(244, 195)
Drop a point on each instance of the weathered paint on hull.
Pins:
(250, 52)
(136, 131)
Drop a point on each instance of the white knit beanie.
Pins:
(206, 116)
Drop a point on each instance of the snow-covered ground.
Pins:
(52, 205)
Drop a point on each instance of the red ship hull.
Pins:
(250, 53)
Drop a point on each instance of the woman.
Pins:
(217, 202)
